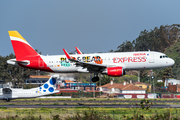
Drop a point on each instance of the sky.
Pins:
(91, 25)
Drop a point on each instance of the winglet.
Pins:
(78, 51)
(67, 54)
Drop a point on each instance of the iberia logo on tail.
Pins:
(25, 54)
(21, 47)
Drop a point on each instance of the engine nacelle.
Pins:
(114, 71)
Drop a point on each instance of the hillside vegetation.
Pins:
(174, 52)
(164, 39)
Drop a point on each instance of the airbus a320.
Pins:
(112, 64)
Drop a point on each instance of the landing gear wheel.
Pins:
(7, 100)
(95, 79)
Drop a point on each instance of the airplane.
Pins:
(112, 64)
(18, 93)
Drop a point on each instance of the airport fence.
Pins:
(79, 94)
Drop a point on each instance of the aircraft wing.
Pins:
(89, 66)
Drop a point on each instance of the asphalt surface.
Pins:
(81, 104)
(71, 106)
(119, 101)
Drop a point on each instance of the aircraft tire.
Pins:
(95, 79)
(7, 100)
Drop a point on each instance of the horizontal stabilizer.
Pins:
(15, 62)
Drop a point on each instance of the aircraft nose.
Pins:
(171, 62)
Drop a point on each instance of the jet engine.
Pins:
(114, 71)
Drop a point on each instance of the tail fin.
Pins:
(49, 86)
(21, 47)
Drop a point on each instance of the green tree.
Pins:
(166, 73)
(126, 46)
(105, 79)
(15, 74)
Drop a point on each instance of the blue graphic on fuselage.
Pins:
(46, 86)
(51, 89)
(65, 64)
(52, 81)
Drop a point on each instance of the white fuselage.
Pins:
(106, 63)
(17, 93)
(127, 60)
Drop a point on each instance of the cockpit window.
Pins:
(163, 56)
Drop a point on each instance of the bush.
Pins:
(90, 115)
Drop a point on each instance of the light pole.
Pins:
(152, 76)
(150, 84)
(100, 85)
(94, 91)
(138, 76)
(138, 72)
(153, 85)
(90, 80)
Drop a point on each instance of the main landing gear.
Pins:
(95, 78)
(7, 99)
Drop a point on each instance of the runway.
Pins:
(72, 106)
(116, 101)
(93, 103)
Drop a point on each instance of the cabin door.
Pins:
(151, 58)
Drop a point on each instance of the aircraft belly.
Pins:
(63, 69)
(4, 96)
(22, 94)
(135, 66)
